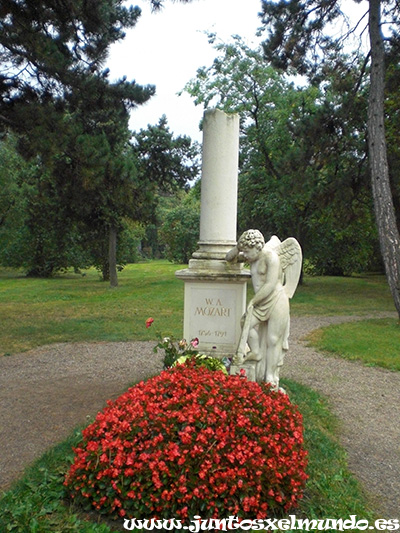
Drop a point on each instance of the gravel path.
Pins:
(46, 392)
(366, 401)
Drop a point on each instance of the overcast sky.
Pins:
(166, 49)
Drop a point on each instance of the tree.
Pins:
(11, 166)
(57, 97)
(180, 228)
(167, 162)
(302, 163)
(59, 100)
(166, 165)
(389, 236)
(392, 126)
(299, 36)
(53, 50)
(34, 229)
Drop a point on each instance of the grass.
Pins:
(72, 308)
(37, 503)
(331, 491)
(374, 342)
(358, 295)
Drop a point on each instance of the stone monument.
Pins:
(215, 289)
(275, 269)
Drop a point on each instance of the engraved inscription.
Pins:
(208, 333)
(212, 307)
(213, 314)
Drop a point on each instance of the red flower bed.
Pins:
(192, 441)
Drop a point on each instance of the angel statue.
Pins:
(275, 269)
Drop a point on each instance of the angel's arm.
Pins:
(234, 256)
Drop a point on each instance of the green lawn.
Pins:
(375, 342)
(328, 295)
(71, 308)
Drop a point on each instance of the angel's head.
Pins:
(251, 238)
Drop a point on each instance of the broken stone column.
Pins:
(215, 290)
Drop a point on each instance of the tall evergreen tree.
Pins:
(56, 95)
(48, 49)
(166, 161)
(167, 165)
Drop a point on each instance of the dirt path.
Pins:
(47, 392)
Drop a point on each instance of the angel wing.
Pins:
(291, 257)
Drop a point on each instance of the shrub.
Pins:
(212, 363)
(174, 350)
(192, 441)
(183, 351)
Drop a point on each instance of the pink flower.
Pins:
(149, 322)
(194, 342)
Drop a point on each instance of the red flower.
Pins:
(149, 322)
(192, 441)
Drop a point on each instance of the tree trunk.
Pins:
(112, 256)
(389, 238)
(105, 270)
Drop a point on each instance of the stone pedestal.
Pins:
(215, 291)
(214, 305)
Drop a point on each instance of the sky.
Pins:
(166, 48)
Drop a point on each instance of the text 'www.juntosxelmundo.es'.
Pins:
(268, 524)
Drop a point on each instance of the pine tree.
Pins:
(68, 116)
